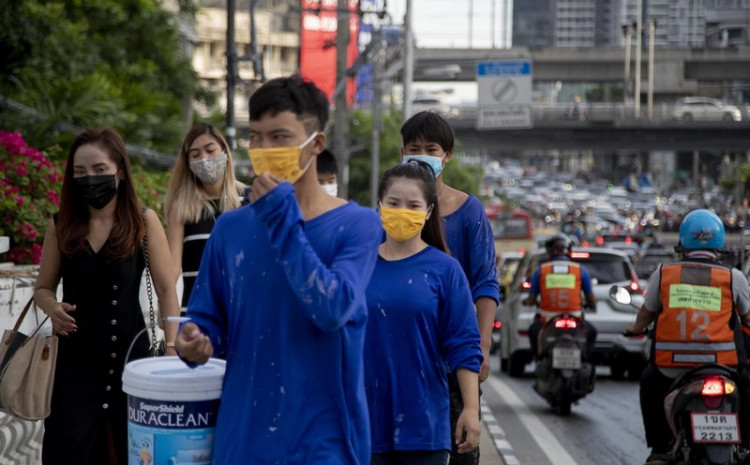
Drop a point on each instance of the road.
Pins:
(604, 427)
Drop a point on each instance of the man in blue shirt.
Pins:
(428, 137)
(281, 293)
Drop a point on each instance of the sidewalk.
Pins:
(488, 453)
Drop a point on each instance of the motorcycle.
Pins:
(562, 375)
(702, 408)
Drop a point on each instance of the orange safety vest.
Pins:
(560, 287)
(695, 324)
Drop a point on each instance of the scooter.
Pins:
(562, 375)
(702, 407)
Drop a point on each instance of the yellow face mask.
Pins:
(281, 161)
(402, 223)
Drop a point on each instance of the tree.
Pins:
(98, 62)
(455, 174)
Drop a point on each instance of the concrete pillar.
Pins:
(696, 168)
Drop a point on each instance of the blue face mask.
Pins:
(436, 163)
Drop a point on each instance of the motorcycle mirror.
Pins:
(620, 295)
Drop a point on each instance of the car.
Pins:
(647, 262)
(630, 248)
(607, 267)
(436, 105)
(705, 109)
(507, 263)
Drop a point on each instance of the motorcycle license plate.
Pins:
(715, 428)
(566, 358)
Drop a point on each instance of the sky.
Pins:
(445, 23)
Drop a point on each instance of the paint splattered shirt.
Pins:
(421, 320)
(284, 300)
(469, 237)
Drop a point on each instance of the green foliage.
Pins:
(98, 62)
(29, 194)
(461, 176)
(151, 186)
(360, 162)
(455, 174)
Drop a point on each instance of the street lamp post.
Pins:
(408, 60)
(650, 97)
(638, 46)
(628, 31)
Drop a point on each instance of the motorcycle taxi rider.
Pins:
(560, 282)
(692, 302)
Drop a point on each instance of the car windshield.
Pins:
(606, 269)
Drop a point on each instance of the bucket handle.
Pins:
(153, 348)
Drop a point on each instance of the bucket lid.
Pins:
(170, 375)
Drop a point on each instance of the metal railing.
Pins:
(599, 112)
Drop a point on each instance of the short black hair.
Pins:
(292, 93)
(326, 163)
(429, 127)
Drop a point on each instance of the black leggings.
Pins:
(410, 457)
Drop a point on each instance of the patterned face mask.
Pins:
(209, 170)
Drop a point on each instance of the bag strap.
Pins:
(19, 321)
(149, 292)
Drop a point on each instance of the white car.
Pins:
(443, 109)
(705, 109)
(607, 267)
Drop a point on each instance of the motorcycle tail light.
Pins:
(729, 387)
(713, 387)
(525, 285)
(635, 286)
(713, 391)
(497, 324)
(566, 323)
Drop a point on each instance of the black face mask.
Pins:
(96, 191)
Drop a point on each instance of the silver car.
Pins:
(607, 267)
(705, 109)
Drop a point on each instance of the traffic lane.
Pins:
(604, 427)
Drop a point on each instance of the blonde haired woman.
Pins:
(202, 186)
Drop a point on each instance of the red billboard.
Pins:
(317, 57)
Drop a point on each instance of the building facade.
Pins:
(277, 32)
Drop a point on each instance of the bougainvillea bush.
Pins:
(29, 193)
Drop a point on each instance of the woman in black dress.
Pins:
(202, 186)
(95, 244)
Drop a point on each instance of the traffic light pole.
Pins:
(341, 112)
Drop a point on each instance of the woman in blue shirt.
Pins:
(421, 322)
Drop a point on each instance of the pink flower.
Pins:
(21, 171)
(20, 201)
(36, 254)
(53, 198)
(13, 142)
(28, 231)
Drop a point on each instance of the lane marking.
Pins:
(547, 441)
(497, 435)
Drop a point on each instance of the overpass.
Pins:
(606, 127)
(676, 71)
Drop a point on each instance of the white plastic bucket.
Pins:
(172, 410)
